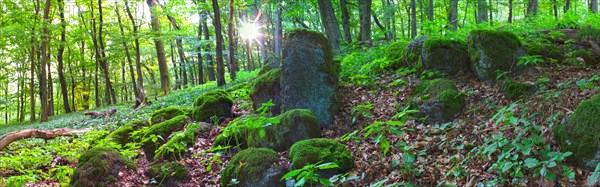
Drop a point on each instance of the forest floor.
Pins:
(443, 154)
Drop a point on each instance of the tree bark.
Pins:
(594, 6)
(32, 59)
(163, 68)
(109, 91)
(136, 92)
(141, 99)
(330, 24)
(532, 8)
(345, 21)
(199, 51)
(453, 15)
(219, 43)
(59, 58)
(43, 48)
(182, 59)
(365, 20)
(210, 65)
(232, 63)
(430, 11)
(9, 138)
(413, 18)
(567, 5)
(510, 11)
(277, 35)
(482, 11)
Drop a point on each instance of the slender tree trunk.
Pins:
(73, 85)
(141, 99)
(482, 11)
(210, 65)
(163, 68)
(175, 69)
(43, 48)
(510, 11)
(32, 59)
(413, 18)
(199, 56)
(430, 11)
(567, 5)
(330, 23)
(232, 63)
(453, 15)
(109, 91)
(277, 35)
(59, 58)
(555, 7)
(365, 20)
(127, 54)
(345, 21)
(594, 6)
(532, 8)
(219, 43)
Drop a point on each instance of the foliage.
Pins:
(309, 174)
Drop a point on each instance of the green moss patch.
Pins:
(411, 55)
(213, 103)
(322, 150)
(492, 52)
(294, 125)
(250, 165)
(581, 135)
(179, 142)
(438, 100)
(99, 166)
(166, 114)
(121, 135)
(393, 53)
(162, 130)
(515, 90)
(267, 87)
(167, 174)
(435, 87)
(453, 102)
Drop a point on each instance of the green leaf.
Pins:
(531, 163)
(408, 158)
(291, 174)
(385, 145)
(300, 182)
(568, 172)
(594, 177)
(325, 182)
(328, 165)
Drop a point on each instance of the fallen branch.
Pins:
(105, 114)
(37, 133)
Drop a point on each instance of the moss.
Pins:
(453, 102)
(121, 135)
(581, 135)
(393, 53)
(163, 130)
(323, 150)
(186, 139)
(545, 50)
(294, 125)
(437, 42)
(166, 114)
(99, 166)
(266, 87)
(587, 55)
(213, 103)
(491, 51)
(435, 87)
(330, 67)
(167, 171)
(137, 124)
(515, 90)
(248, 164)
(589, 32)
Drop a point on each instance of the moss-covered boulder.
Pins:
(138, 124)
(167, 174)
(516, 90)
(411, 55)
(99, 166)
(309, 75)
(445, 55)
(321, 150)
(166, 114)
(493, 52)
(438, 100)
(546, 51)
(588, 57)
(267, 87)
(253, 167)
(162, 132)
(393, 53)
(181, 141)
(216, 103)
(121, 135)
(294, 125)
(581, 135)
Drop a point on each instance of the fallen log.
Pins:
(105, 114)
(37, 133)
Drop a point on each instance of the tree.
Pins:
(165, 83)
(365, 20)
(232, 64)
(413, 18)
(482, 11)
(141, 98)
(345, 21)
(430, 10)
(567, 5)
(453, 15)
(44, 61)
(109, 92)
(127, 54)
(331, 24)
(219, 43)
(594, 6)
(510, 11)
(59, 57)
(532, 8)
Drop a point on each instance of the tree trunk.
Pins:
(330, 24)
(482, 11)
(413, 18)
(141, 99)
(127, 54)
(430, 11)
(365, 21)
(182, 59)
(532, 8)
(555, 7)
(32, 60)
(567, 5)
(59, 58)
(232, 63)
(594, 6)
(219, 43)
(199, 55)
(277, 35)
(510, 11)
(345, 21)
(109, 92)
(453, 15)
(163, 68)
(43, 48)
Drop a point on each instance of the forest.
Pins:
(299, 93)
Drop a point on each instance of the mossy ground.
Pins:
(166, 114)
(515, 90)
(163, 130)
(99, 166)
(322, 150)
(438, 42)
(248, 164)
(178, 144)
(581, 135)
(453, 102)
(121, 135)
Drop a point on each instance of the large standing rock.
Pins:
(493, 52)
(267, 86)
(253, 167)
(309, 76)
(445, 55)
(411, 55)
(581, 135)
(99, 166)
